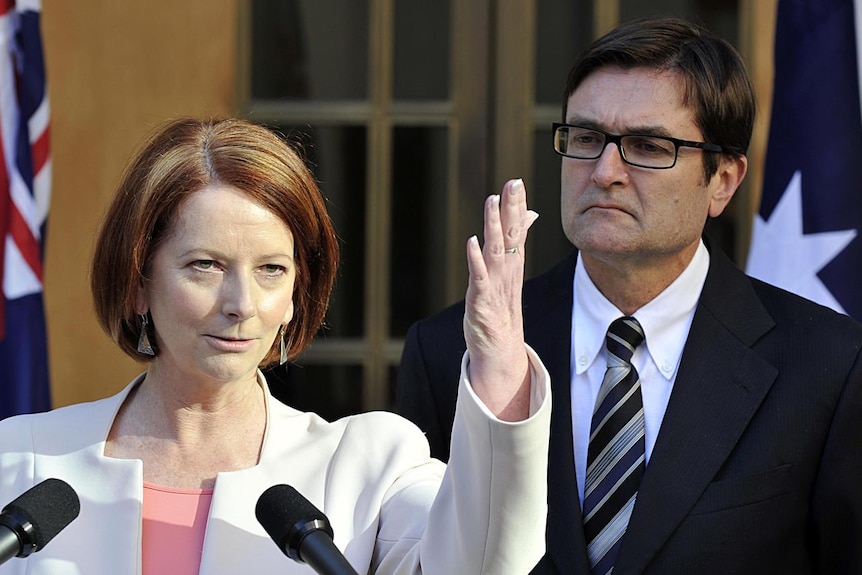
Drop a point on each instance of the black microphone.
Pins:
(300, 530)
(35, 517)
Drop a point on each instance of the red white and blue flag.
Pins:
(806, 237)
(25, 189)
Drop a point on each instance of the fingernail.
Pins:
(517, 186)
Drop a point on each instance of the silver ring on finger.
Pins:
(513, 250)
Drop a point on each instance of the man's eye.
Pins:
(651, 147)
(586, 139)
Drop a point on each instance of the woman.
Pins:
(216, 257)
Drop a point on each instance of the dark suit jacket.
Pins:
(757, 468)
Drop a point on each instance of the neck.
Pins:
(632, 282)
(185, 438)
(207, 410)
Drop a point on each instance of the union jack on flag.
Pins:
(25, 189)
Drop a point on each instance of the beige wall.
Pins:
(116, 69)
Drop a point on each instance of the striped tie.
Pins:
(616, 457)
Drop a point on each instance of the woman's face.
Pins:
(219, 286)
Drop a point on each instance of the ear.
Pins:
(724, 183)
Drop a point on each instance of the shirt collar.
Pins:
(665, 320)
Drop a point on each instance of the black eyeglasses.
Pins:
(655, 152)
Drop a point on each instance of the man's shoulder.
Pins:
(789, 308)
(754, 308)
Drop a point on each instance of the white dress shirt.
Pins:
(665, 320)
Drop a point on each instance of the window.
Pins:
(410, 113)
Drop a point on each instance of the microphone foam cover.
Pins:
(49, 507)
(281, 510)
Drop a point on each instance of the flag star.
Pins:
(782, 255)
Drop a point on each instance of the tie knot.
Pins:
(624, 335)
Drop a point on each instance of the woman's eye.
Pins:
(204, 264)
(273, 269)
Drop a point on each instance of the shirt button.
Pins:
(666, 366)
(582, 361)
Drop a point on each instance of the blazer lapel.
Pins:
(548, 329)
(720, 385)
(106, 536)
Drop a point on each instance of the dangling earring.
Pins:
(144, 345)
(282, 347)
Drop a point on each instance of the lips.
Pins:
(602, 200)
(606, 206)
(229, 343)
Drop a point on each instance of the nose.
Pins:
(610, 168)
(238, 298)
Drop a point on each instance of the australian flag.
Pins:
(806, 235)
(25, 183)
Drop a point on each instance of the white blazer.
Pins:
(393, 509)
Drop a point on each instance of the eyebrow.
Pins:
(644, 130)
(202, 253)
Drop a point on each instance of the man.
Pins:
(739, 439)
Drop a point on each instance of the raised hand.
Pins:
(493, 322)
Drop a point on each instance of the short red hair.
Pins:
(183, 157)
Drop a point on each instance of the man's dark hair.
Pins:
(717, 87)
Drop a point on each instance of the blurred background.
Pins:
(410, 112)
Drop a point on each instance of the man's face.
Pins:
(617, 213)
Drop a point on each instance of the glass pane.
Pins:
(719, 16)
(421, 50)
(331, 391)
(564, 28)
(419, 168)
(337, 156)
(305, 49)
(547, 244)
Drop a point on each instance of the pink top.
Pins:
(174, 526)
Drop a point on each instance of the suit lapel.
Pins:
(720, 385)
(548, 328)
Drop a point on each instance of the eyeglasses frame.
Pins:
(617, 140)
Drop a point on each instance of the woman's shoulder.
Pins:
(374, 432)
(382, 448)
(73, 411)
(389, 433)
(376, 422)
(379, 420)
(67, 421)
